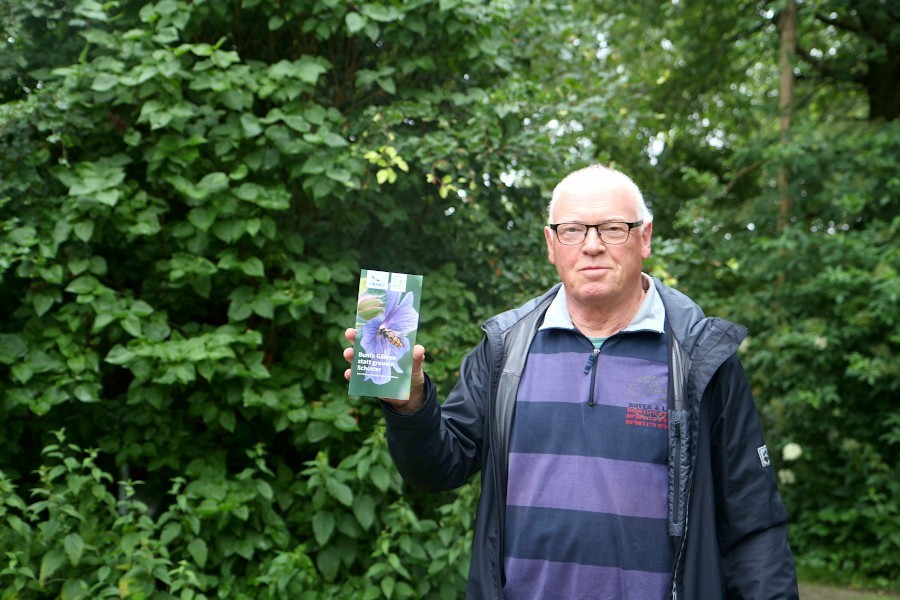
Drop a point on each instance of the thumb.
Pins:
(417, 377)
(416, 385)
(418, 358)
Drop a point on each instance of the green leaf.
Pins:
(379, 12)
(380, 477)
(98, 265)
(83, 285)
(23, 236)
(309, 69)
(84, 230)
(253, 267)
(333, 140)
(104, 82)
(281, 70)
(345, 421)
(77, 266)
(340, 175)
(61, 231)
(52, 561)
(316, 164)
(323, 527)
(132, 325)
(53, 274)
(202, 218)
(387, 586)
(263, 306)
(85, 393)
(141, 309)
(387, 84)
(119, 355)
(297, 123)
(213, 182)
(340, 491)
(198, 551)
(12, 348)
(315, 114)
(248, 192)
(74, 547)
(251, 125)
(229, 231)
(42, 303)
(227, 420)
(74, 589)
(364, 510)
(317, 431)
(169, 533)
(91, 10)
(354, 22)
(239, 310)
(328, 561)
(22, 372)
(322, 274)
(264, 489)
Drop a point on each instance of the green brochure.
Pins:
(387, 317)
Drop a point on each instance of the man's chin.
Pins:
(593, 291)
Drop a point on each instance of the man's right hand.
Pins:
(417, 379)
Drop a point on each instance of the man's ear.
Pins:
(646, 235)
(548, 237)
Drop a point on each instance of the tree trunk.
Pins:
(882, 82)
(788, 28)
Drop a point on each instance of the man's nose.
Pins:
(592, 243)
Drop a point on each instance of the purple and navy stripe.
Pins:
(587, 494)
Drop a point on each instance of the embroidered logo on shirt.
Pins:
(763, 456)
(646, 415)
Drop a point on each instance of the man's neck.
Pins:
(596, 320)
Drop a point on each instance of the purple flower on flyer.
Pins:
(384, 337)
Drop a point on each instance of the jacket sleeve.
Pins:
(751, 519)
(439, 447)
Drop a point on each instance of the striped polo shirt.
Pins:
(586, 513)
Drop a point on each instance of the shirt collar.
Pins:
(650, 316)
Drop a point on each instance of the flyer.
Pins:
(387, 318)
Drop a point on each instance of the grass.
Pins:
(816, 591)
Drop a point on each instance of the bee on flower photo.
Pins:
(384, 335)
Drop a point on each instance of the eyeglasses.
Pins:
(611, 232)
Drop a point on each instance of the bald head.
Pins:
(599, 177)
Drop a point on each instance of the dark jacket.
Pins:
(727, 523)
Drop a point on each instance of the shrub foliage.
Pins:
(188, 190)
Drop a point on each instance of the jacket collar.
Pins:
(651, 316)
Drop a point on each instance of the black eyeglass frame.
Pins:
(597, 226)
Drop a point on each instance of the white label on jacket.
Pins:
(763, 456)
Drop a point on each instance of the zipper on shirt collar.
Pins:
(591, 367)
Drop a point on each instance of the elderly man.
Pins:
(620, 449)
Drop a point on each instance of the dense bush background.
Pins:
(189, 189)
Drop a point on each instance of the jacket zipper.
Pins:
(591, 367)
(677, 471)
(681, 546)
(679, 378)
(687, 500)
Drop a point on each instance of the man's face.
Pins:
(596, 274)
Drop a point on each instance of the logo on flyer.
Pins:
(398, 282)
(377, 280)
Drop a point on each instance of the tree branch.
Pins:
(843, 24)
(745, 171)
